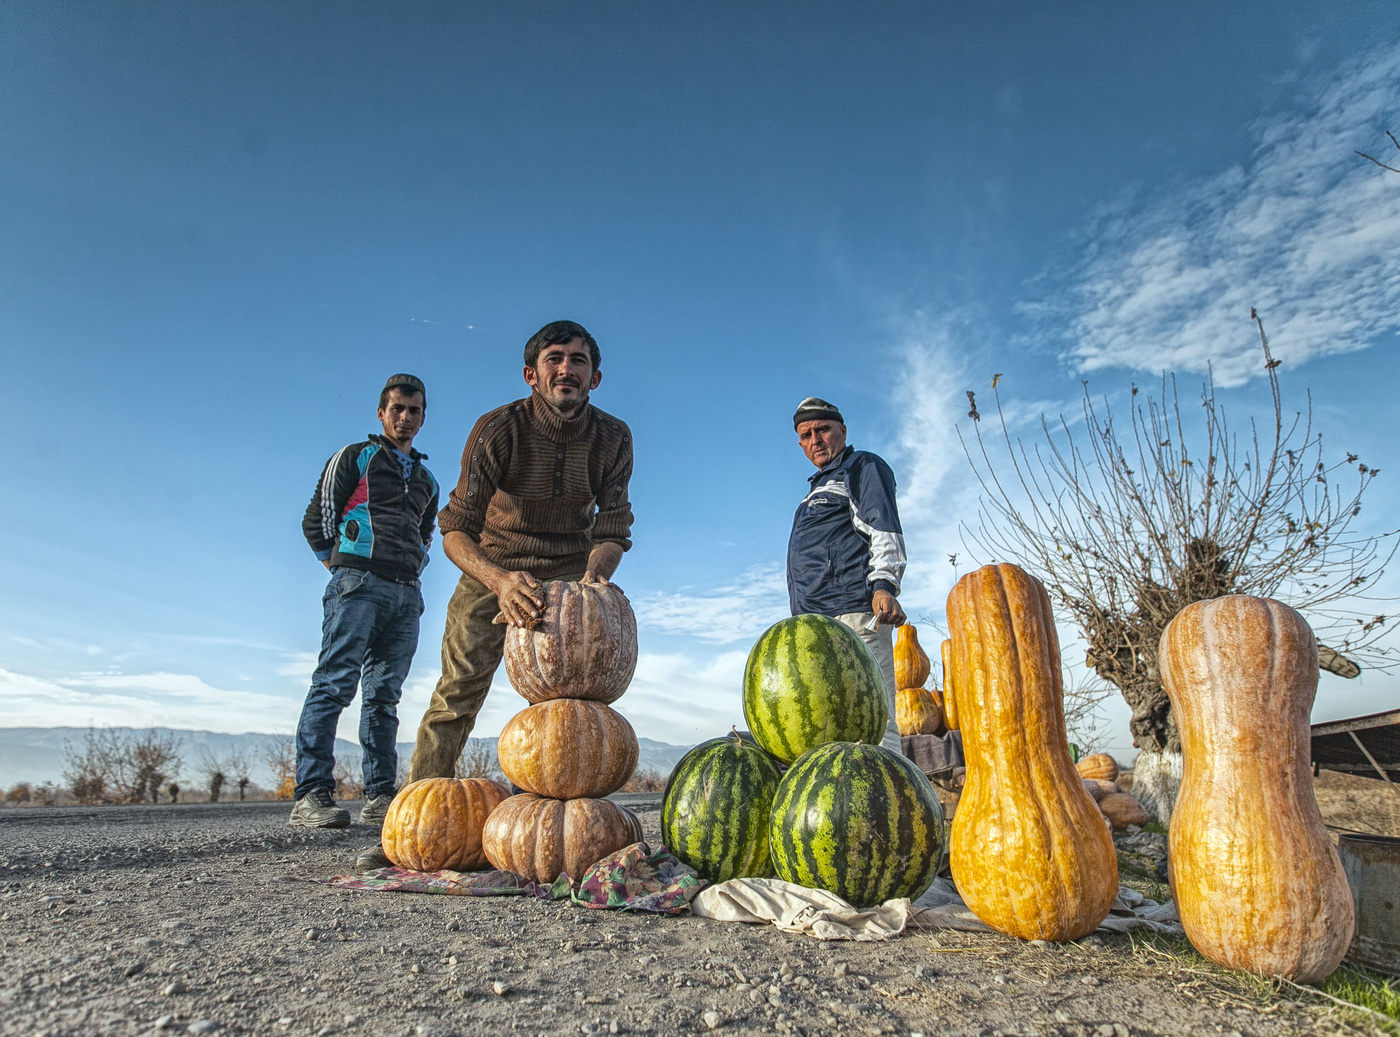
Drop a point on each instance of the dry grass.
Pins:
(1357, 804)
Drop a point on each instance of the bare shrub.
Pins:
(19, 794)
(281, 757)
(239, 768)
(478, 760)
(88, 766)
(649, 780)
(211, 769)
(348, 784)
(110, 766)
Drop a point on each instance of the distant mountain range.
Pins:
(36, 754)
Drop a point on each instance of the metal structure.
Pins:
(1368, 746)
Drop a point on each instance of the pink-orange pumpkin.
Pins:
(584, 647)
(436, 823)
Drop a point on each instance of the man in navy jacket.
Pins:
(846, 553)
(370, 522)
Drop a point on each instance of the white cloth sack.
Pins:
(815, 912)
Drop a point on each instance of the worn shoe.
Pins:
(375, 810)
(372, 858)
(317, 809)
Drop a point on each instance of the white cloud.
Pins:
(139, 700)
(1306, 231)
(738, 611)
(298, 664)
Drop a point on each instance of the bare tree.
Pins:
(1378, 161)
(239, 767)
(110, 766)
(348, 783)
(87, 767)
(281, 757)
(1128, 527)
(478, 760)
(211, 769)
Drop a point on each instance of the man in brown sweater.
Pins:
(542, 496)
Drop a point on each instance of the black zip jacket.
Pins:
(366, 515)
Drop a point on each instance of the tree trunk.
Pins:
(1156, 782)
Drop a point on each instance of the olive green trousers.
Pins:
(471, 652)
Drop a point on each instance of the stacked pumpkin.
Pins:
(917, 710)
(847, 816)
(569, 749)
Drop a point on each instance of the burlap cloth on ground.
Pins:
(815, 912)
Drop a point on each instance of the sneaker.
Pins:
(372, 859)
(317, 809)
(375, 810)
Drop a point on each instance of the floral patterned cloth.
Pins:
(632, 879)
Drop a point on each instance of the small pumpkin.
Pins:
(436, 823)
(1254, 875)
(541, 838)
(918, 711)
(911, 665)
(583, 647)
(950, 712)
(568, 749)
(1098, 765)
(1030, 851)
(1123, 810)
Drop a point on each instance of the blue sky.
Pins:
(222, 226)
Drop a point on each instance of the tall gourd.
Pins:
(911, 665)
(1030, 852)
(1256, 881)
(950, 710)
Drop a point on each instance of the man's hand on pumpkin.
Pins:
(521, 598)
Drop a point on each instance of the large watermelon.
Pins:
(716, 809)
(809, 680)
(857, 820)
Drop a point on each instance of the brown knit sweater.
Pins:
(537, 491)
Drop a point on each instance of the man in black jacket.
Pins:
(370, 523)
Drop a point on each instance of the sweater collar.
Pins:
(555, 428)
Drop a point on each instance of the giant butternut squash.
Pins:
(1256, 881)
(1030, 852)
(950, 712)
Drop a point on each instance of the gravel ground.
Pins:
(134, 920)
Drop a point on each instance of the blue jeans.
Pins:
(370, 630)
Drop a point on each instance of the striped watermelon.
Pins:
(857, 820)
(716, 808)
(809, 680)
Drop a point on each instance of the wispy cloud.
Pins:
(1305, 230)
(737, 611)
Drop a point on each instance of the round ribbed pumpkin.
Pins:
(911, 665)
(858, 820)
(950, 711)
(918, 711)
(583, 647)
(1030, 852)
(1254, 875)
(716, 809)
(541, 839)
(1098, 789)
(436, 823)
(568, 749)
(1098, 765)
(810, 680)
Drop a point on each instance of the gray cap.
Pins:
(816, 409)
(406, 381)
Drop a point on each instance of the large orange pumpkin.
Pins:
(584, 647)
(436, 823)
(568, 749)
(918, 711)
(1030, 852)
(1256, 881)
(911, 665)
(543, 838)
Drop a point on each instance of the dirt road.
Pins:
(134, 920)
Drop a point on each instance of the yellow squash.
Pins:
(1030, 852)
(1256, 881)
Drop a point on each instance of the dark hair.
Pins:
(556, 333)
(407, 391)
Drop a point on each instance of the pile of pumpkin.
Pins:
(846, 815)
(568, 750)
